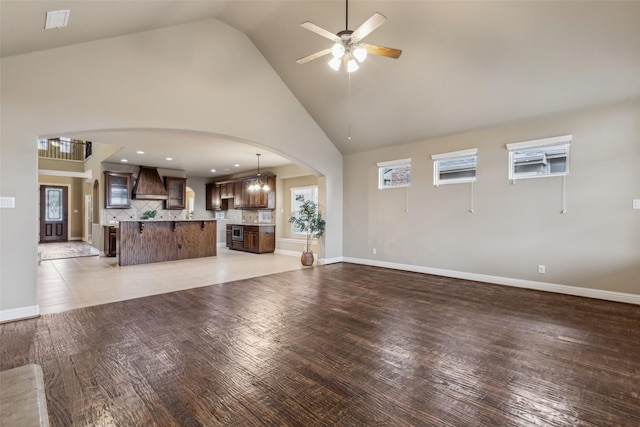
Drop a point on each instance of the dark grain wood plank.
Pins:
(338, 345)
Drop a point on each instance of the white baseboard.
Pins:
(288, 253)
(506, 281)
(20, 313)
(327, 261)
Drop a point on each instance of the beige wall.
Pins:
(234, 98)
(595, 245)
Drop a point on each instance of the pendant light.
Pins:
(257, 184)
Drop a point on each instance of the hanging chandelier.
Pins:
(257, 184)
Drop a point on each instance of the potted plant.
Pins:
(308, 220)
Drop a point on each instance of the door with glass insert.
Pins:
(53, 213)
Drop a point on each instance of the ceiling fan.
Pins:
(347, 48)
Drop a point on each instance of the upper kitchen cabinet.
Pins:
(177, 192)
(238, 188)
(117, 187)
(259, 199)
(214, 201)
(226, 189)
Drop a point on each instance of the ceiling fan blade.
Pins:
(313, 56)
(320, 31)
(389, 52)
(369, 25)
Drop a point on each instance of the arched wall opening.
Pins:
(170, 81)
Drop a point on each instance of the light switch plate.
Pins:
(8, 202)
(636, 204)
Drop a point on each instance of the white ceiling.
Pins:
(465, 65)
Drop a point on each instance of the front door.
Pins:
(53, 213)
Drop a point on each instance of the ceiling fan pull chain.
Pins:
(349, 106)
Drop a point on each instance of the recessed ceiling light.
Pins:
(139, 152)
(57, 19)
(237, 165)
(168, 158)
(124, 160)
(213, 170)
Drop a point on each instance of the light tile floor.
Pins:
(66, 284)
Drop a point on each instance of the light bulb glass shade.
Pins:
(335, 64)
(337, 50)
(360, 53)
(265, 187)
(352, 66)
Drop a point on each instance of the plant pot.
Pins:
(307, 258)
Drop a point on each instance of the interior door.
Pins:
(53, 213)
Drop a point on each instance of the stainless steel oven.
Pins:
(237, 232)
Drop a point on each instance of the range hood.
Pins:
(149, 185)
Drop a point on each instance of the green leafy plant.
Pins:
(309, 220)
(149, 214)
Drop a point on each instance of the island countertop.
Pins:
(156, 240)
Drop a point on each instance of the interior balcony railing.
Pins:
(64, 149)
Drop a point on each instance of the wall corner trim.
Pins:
(506, 281)
(327, 261)
(20, 313)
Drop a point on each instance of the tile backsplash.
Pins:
(138, 208)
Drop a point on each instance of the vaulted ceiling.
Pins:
(464, 66)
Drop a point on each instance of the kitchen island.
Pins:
(146, 241)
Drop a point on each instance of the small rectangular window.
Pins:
(539, 158)
(455, 167)
(43, 144)
(394, 174)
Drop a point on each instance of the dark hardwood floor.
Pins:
(338, 345)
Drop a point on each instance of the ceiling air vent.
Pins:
(57, 19)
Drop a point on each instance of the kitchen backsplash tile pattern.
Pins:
(138, 208)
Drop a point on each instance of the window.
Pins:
(309, 193)
(394, 173)
(43, 144)
(539, 158)
(65, 145)
(455, 167)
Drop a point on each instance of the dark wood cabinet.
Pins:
(117, 187)
(237, 194)
(250, 241)
(227, 189)
(259, 199)
(212, 201)
(176, 191)
(257, 239)
(220, 194)
(110, 240)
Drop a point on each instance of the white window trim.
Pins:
(293, 199)
(559, 141)
(398, 163)
(448, 156)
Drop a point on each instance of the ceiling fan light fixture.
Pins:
(352, 66)
(335, 64)
(338, 50)
(360, 53)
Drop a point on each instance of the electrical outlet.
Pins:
(636, 204)
(542, 269)
(374, 251)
